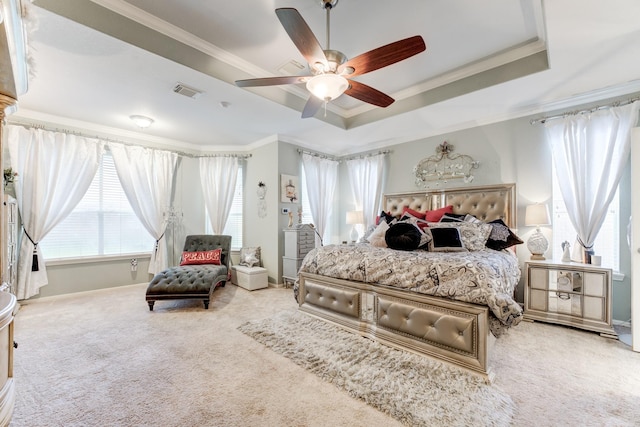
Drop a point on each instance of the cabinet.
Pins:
(571, 294)
(9, 235)
(298, 242)
(7, 384)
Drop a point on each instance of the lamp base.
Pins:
(354, 234)
(537, 245)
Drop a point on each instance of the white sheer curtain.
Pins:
(54, 172)
(321, 175)
(589, 152)
(366, 175)
(146, 176)
(218, 179)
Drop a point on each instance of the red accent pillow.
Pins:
(202, 257)
(419, 215)
(434, 216)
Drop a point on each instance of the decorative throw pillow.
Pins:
(501, 236)
(434, 216)
(250, 257)
(474, 236)
(419, 215)
(403, 236)
(451, 217)
(445, 239)
(201, 257)
(386, 216)
(377, 237)
(420, 223)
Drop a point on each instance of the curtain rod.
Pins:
(364, 156)
(590, 110)
(341, 159)
(107, 139)
(322, 156)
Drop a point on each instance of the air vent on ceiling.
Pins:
(291, 68)
(187, 91)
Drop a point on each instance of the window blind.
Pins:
(103, 223)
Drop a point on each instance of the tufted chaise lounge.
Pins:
(193, 281)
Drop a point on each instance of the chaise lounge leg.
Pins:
(206, 304)
(150, 305)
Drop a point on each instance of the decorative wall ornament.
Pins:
(444, 166)
(262, 203)
(288, 188)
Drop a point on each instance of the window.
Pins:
(233, 226)
(607, 243)
(103, 223)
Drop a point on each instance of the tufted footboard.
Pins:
(448, 330)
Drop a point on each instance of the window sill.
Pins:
(617, 277)
(95, 259)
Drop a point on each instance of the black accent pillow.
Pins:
(446, 239)
(385, 216)
(403, 236)
(501, 236)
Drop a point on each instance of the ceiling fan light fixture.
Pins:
(327, 86)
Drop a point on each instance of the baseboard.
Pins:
(624, 323)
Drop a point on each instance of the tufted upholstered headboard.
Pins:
(485, 203)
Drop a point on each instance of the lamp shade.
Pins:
(355, 217)
(536, 215)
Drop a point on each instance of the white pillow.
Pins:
(377, 237)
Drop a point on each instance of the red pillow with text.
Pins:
(434, 216)
(201, 257)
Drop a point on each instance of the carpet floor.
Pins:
(103, 359)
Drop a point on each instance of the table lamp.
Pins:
(354, 218)
(535, 216)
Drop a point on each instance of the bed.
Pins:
(413, 300)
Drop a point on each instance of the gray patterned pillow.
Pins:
(250, 257)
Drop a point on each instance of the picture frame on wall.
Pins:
(288, 188)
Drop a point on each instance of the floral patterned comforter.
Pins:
(485, 277)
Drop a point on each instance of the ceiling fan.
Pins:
(331, 71)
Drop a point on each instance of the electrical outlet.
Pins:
(134, 264)
(285, 211)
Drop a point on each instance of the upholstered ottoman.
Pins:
(249, 278)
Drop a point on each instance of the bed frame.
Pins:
(452, 331)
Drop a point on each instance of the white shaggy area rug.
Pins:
(415, 390)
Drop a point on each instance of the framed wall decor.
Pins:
(288, 188)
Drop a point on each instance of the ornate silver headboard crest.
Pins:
(444, 166)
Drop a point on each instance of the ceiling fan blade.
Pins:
(301, 35)
(368, 94)
(272, 81)
(311, 107)
(383, 56)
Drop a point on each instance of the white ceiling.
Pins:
(485, 62)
